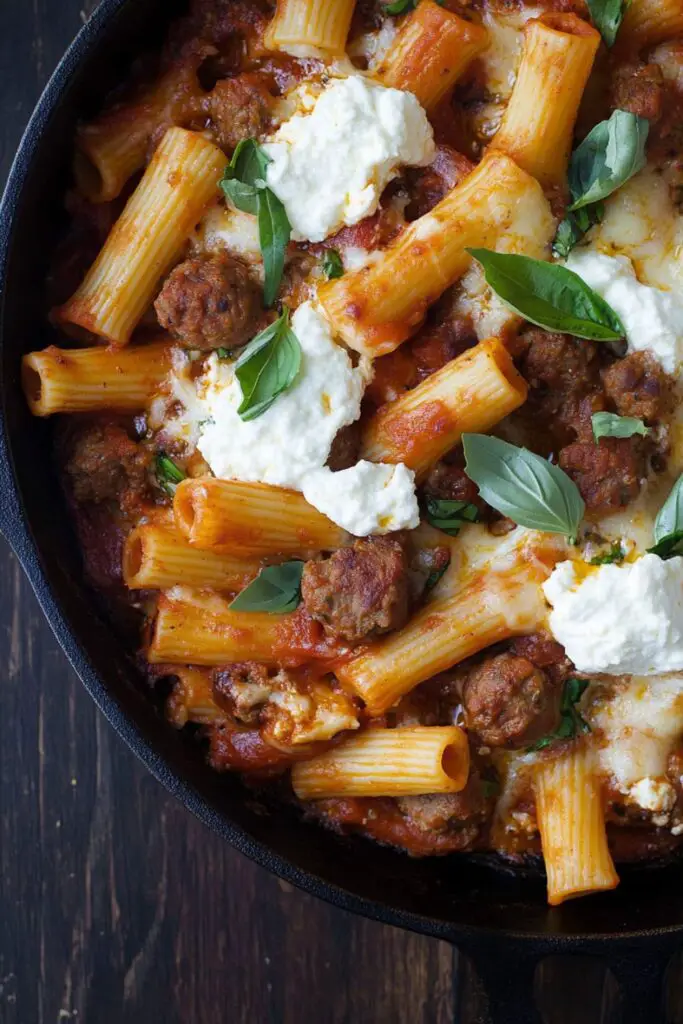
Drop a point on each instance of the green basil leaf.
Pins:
(572, 722)
(224, 353)
(168, 474)
(268, 366)
(607, 16)
(615, 554)
(435, 575)
(608, 424)
(448, 515)
(549, 295)
(332, 264)
(274, 234)
(522, 485)
(275, 590)
(609, 155)
(668, 530)
(574, 226)
(244, 197)
(400, 6)
(249, 163)
(490, 788)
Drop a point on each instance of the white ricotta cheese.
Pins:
(227, 228)
(289, 444)
(619, 619)
(330, 166)
(653, 795)
(368, 498)
(293, 437)
(652, 319)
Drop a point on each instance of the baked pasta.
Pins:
(366, 377)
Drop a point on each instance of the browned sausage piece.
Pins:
(238, 108)
(104, 464)
(210, 301)
(449, 480)
(459, 814)
(638, 386)
(609, 474)
(509, 702)
(359, 591)
(638, 89)
(345, 449)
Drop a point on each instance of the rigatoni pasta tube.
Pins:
(192, 698)
(149, 235)
(388, 762)
(377, 307)
(471, 393)
(245, 519)
(537, 127)
(157, 558)
(93, 379)
(114, 146)
(304, 28)
(430, 52)
(571, 820)
(490, 608)
(649, 22)
(208, 632)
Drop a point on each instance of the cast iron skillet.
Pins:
(501, 921)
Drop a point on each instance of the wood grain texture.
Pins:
(116, 906)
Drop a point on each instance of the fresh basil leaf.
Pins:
(549, 295)
(249, 163)
(244, 184)
(615, 554)
(609, 155)
(448, 515)
(168, 474)
(332, 264)
(608, 424)
(400, 6)
(224, 353)
(435, 575)
(275, 590)
(268, 366)
(607, 16)
(668, 530)
(574, 226)
(522, 485)
(571, 722)
(275, 232)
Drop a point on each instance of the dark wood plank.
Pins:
(117, 906)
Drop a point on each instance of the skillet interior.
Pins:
(452, 898)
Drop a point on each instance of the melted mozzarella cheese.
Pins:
(619, 619)
(329, 167)
(640, 725)
(652, 318)
(227, 228)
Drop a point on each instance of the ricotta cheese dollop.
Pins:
(652, 318)
(289, 444)
(619, 619)
(329, 167)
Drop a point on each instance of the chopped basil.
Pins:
(244, 184)
(668, 531)
(523, 486)
(572, 722)
(332, 264)
(268, 366)
(608, 424)
(574, 226)
(168, 474)
(435, 575)
(490, 788)
(549, 295)
(615, 554)
(609, 155)
(224, 353)
(449, 515)
(607, 16)
(276, 590)
(403, 6)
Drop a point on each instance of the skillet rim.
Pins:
(16, 530)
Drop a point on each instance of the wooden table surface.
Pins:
(118, 907)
